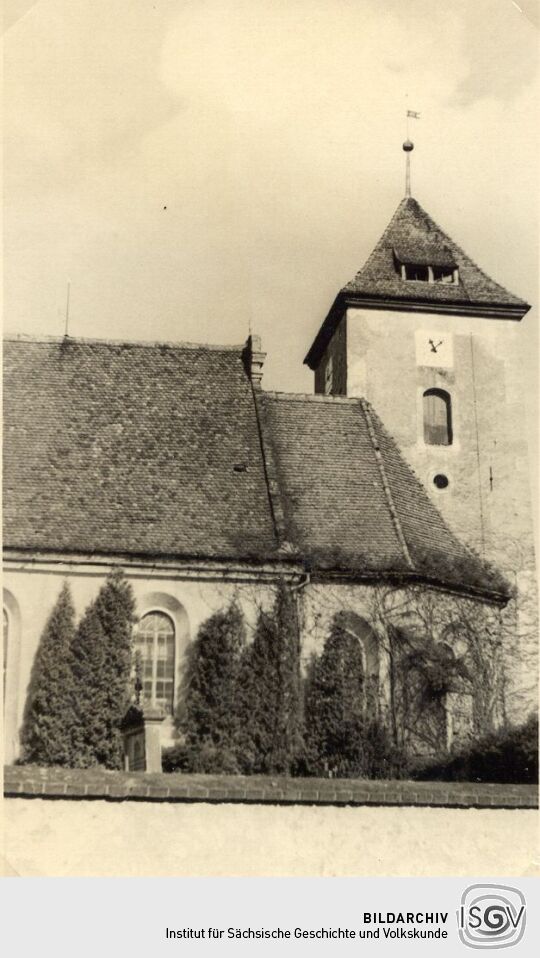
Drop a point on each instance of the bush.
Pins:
(206, 758)
(50, 713)
(341, 739)
(269, 701)
(334, 707)
(382, 758)
(508, 756)
(101, 662)
(240, 705)
(207, 718)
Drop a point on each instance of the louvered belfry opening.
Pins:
(437, 408)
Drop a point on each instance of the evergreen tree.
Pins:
(49, 717)
(269, 691)
(207, 717)
(334, 707)
(102, 658)
(91, 732)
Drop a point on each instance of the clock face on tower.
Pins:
(434, 348)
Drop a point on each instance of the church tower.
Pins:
(433, 343)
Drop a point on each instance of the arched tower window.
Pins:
(155, 643)
(437, 408)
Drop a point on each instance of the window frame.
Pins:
(447, 276)
(407, 267)
(166, 702)
(445, 397)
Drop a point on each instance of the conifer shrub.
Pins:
(240, 705)
(101, 658)
(207, 718)
(269, 702)
(50, 712)
(342, 738)
(334, 707)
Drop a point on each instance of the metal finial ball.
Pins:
(408, 146)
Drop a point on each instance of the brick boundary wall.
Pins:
(94, 784)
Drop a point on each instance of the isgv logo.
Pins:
(491, 916)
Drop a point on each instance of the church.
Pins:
(406, 468)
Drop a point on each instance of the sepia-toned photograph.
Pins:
(270, 438)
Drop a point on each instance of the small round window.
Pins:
(441, 481)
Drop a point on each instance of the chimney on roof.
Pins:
(254, 360)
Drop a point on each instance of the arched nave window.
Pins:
(155, 643)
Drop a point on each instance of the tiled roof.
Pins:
(412, 236)
(132, 448)
(163, 450)
(331, 484)
(350, 498)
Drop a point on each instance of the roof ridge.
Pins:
(271, 477)
(385, 484)
(46, 340)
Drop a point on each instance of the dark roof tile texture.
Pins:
(155, 450)
(433, 549)
(353, 501)
(132, 448)
(331, 483)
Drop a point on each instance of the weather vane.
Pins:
(408, 146)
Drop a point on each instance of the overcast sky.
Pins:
(194, 167)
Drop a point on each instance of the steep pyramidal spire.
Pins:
(417, 267)
(415, 260)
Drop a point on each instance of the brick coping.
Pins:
(94, 784)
